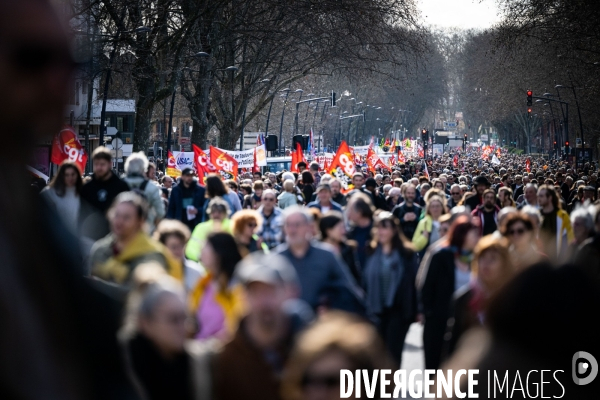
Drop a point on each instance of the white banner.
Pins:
(361, 150)
(245, 158)
(261, 155)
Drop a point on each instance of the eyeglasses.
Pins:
(455, 193)
(516, 231)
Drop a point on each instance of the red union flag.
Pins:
(342, 167)
(202, 163)
(66, 146)
(225, 164)
(172, 169)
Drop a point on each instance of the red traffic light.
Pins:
(529, 110)
(529, 93)
(567, 144)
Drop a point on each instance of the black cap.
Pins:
(187, 171)
(481, 180)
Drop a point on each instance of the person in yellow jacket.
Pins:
(428, 228)
(218, 210)
(114, 257)
(217, 302)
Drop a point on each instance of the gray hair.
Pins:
(584, 214)
(136, 164)
(288, 176)
(218, 204)
(532, 212)
(387, 186)
(505, 212)
(296, 210)
(395, 191)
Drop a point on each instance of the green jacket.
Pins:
(201, 232)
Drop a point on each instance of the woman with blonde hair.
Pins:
(491, 269)
(336, 341)
(245, 224)
(427, 231)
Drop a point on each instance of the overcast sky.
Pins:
(465, 14)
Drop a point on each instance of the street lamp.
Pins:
(286, 92)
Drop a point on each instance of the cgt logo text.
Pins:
(462, 383)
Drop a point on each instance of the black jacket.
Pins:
(408, 227)
(176, 209)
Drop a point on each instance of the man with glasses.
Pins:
(270, 232)
(456, 195)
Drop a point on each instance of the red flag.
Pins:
(224, 163)
(401, 158)
(299, 153)
(372, 160)
(528, 165)
(172, 169)
(455, 161)
(202, 163)
(66, 146)
(342, 167)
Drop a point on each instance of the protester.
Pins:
(336, 192)
(448, 270)
(115, 257)
(136, 166)
(218, 210)
(491, 269)
(253, 361)
(287, 198)
(487, 213)
(555, 231)
(215, 188)
(163, 362)
(336, 341)
(408, 212)
(174, 235)
(427, 230)
(63, 193)
(217, 301)
(99, 193)
(359, 213)
(187, 200)
(333, 233)
(588, 254)
(271, 229)
(245, 224)
(389, 282)
(324, 202)
(324, 280)
(481, 184)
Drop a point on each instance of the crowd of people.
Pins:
(241, 272)
(146, 286)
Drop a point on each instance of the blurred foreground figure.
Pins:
(57, 339)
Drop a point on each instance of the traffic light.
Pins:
(567, 148)
(529, 98)
(465, 143)
(425, 137)
(332, 98)
(529, 112)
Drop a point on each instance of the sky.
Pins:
(466, 14)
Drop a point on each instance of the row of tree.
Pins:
(155, 48)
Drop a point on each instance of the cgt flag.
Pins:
(66, 146)
(342, 167)
(225, 164)
(202, 163)
(172, 169)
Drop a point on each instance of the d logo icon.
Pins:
(579, 368)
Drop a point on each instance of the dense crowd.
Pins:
(250, 285)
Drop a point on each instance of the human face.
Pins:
(444, 227)
(168, 182)
(297, 229)
(151, 173)
(471, 239)
(385, 232)
(409, 194)
(102, 168)
(35, 70)
(543, 198)
(456, 194)
(322, 378)
(435, 209)
(489, 200)
(489, 268)
(337, 233)
(209, 259)
(358, 181)
(268, 202)
(531, 195)
(71, 177)
(216, 214)
(386, 180)
(335, 188)
(324, 196)
(124, 221)
(176, 246)
(166, 326)
(264, 303)
(439, 185)
(424, 189)
(518, 234)
(187, 180)
(250, 227)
